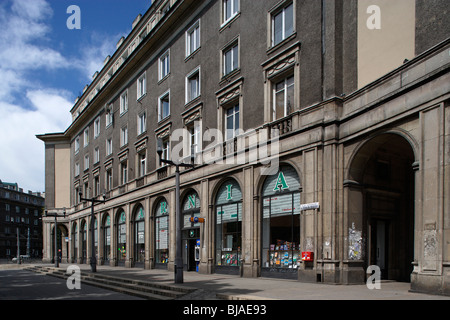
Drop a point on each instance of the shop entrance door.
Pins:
(189, 241)
(379, 245)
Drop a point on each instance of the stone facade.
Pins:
(374, 158)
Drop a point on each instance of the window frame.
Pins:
(97, 126)
(230, 48)
(281, 9)
(194, 73)
(123, 102)
(285, 90)
(195, 30)
(141, 85)
(141, 123)
(124, 136)
(161, 116)
(162, 65)
(234, 11)
(109, 146)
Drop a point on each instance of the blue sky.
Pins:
(44, 66)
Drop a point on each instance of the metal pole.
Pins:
(179, 242)
(93, 258)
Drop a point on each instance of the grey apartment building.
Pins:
(320, 133)
(20, 221)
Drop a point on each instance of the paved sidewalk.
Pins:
(234, 287)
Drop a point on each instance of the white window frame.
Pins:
(193, 35)
(234, 11)
(109, 179)
(194, 137)
(109, 146)
(142, 85)
(285, 90)
(86, 162)
(142, 164)
(109, 116)
(161, 116)
(96, 155)
(164, 65)
(86, 137)
(234, 131)
(124, 102)
(96, 127)
(230, 48)
(124, 172)
(189, 77)
(141, 123)
(282, 10)
(166, 151)
(77, 169)
(124, 136)
(77, 144)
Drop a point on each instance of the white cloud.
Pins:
(22, 158)
(26, 107)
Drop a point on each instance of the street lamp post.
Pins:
(178, 242)
(55, 255)
(93, 201)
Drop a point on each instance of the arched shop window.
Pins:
(281, 220)
(107, 238)
(121, 237)
(162, 232)
(96, 237)
(228, 224)
(191, 209)
(75, 241)
(84, 241)
(139, 235)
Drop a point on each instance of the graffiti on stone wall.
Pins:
(355, 243)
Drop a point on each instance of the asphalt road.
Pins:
(26, 285)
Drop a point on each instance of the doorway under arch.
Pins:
(382, 170)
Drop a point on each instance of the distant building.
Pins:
(353, 97)
(20, 214)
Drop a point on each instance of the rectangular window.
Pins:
(282, 23)
(109, 116)
(230, 9)
(166, 151)
(164, 106)
(193, 85)
(141, 86)
(86, 137)
(164, 65)
(194, 138)
(142, 123)
(230, 59)
(109, 179)
(97, 155)
(124, 136)
(77, 144)
(109, 147)
(97, 127)
(283, 98)
(124, 102)
(193, 38)
(124, 172)
(86, 162)
(142, 164)
(232, 124)
(77, 169)
(97, 186)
